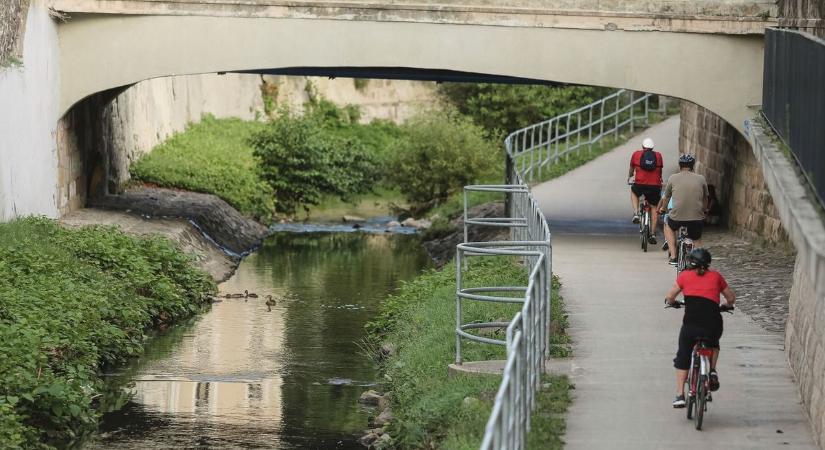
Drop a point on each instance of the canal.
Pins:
(242, 376)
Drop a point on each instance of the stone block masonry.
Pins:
(725, 158)
(12, 21)
(804, 333)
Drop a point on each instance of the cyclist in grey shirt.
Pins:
(690, 199)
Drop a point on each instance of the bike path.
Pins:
(624, 340)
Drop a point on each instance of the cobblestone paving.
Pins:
(761, 275)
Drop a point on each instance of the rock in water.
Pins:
(370, 398)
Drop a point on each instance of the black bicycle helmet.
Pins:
(698, 258)
(687, 160)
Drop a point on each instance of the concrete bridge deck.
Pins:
(697, 16)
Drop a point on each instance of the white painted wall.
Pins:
(28, 120)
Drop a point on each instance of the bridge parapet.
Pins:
(692, 16)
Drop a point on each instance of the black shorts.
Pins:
(652, 193)
(694, 227)
(687, 337)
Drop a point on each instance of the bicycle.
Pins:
(684, 245)
(644, 221)
(698, 379)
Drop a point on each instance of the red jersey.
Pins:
(708, 286)
(647, 177)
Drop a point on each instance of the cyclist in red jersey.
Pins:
(646, 173)
(701, 288)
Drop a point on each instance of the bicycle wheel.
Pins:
(700, 400)
(691, 399)
(645, 233)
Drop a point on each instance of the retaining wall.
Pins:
(803, 220)
(28, 119)
(726, 160)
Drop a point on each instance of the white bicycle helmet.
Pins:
(647, 143)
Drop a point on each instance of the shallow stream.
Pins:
(240, 376)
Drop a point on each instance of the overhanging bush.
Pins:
(71, 302)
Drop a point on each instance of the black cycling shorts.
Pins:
(703, 319)
(694, 227)
(687, 337)
(652, 193)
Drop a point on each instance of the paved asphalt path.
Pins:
(624, 341)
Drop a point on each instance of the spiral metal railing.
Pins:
(529, 151)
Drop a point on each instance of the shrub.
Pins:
(439, 153)
(302, 161)
(508, 107)
(71, 302)
(213, 157)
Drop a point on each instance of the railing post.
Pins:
(616, 117)
(590, 131)
(647, 110)
(632, 107)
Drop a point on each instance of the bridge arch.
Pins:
(99, 52)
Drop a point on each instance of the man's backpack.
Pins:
(648, 160)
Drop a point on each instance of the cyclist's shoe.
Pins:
(709, 398)
(672, 261)
(679, 401)
(635, 218)
(664, 247)
(713, 380)
(651, 240)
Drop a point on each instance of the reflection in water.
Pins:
(242, 377)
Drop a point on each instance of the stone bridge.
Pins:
(708, 52)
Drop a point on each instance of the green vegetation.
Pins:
(212, 156)
(503, 108)
(71, 302)
(432, 409)
(302, 161)
(440, 153)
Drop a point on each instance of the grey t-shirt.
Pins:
(689, 191)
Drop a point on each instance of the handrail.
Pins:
(540, 145)
(527, 336)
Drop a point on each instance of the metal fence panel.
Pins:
(793, 98)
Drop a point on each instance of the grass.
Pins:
(434, 410)
(213, 157)
(71, 302)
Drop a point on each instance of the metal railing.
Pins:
(534, 148)
(793, 99)
(529, 151)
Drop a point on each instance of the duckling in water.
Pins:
(249, 294)
(270, 302)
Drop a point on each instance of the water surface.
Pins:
(241, 376)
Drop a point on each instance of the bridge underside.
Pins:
(100, 52)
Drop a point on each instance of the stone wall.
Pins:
(12, 21)
(725, 158)
(804, 333)
(805, 344)
(806, 15)
(28, 118)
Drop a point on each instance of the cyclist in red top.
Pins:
(701, 288)
(646, 175)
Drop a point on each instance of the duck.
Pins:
(270, 302)
(248, 294)
(234, 295)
